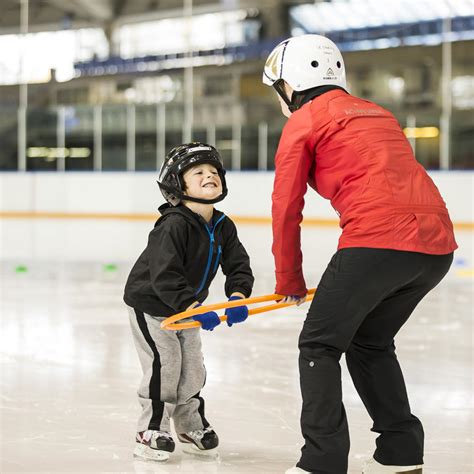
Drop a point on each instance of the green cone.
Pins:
(110, 267)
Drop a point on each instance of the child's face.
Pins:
(203, 182)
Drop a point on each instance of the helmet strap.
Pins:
(297, 99)
(279, 86)
(183, 197)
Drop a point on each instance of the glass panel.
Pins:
(273, 141)
(427, 152)
(41, 139)
(250, 148)
(200, 135)
(114, 137)
(173, 138)
(145, 141)
(9, 137)
(79, 126)
(224, 144)
(174, 126)
(426, 138)
(462, 140)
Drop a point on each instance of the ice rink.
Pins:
(70, 370)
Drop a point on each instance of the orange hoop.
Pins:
(170, 323)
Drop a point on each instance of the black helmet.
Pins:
(177, 161)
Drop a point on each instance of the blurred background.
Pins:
(93, 93)
(112, 84)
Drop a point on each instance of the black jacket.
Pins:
(181, 260)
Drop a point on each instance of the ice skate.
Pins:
(374, 467)
(203, 442)
(154, 445)
(296, 470)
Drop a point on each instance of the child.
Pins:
(188, 243)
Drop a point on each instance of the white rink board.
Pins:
(120, 192)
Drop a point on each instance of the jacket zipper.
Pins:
(209, 258)
(217, 259)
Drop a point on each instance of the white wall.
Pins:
(117, 192)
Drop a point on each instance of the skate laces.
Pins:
(161, 434)
(199, 434)
(149, 435)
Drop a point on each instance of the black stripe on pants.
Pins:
(364, 298)
(201, 410)
(155, 379)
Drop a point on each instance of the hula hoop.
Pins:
(170, 323)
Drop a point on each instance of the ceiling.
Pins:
(62, 14)
(59, 14)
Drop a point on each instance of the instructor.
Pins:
(396, 245)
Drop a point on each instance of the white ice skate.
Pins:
(154, 445)
(296, 470)
(202, 442)
(374, 467)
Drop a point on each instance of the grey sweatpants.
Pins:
(173, 375)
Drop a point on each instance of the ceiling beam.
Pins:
(117, 7)
(93, 10)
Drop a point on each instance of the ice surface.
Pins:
(70, 371)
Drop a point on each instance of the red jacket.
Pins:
(354, 153)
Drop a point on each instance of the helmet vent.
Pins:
(314, 63)
(338, 64)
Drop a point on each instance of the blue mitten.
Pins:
(208, 320)
(237, 314)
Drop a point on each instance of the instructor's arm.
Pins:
(293, 162)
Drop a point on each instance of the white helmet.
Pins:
(304, 62)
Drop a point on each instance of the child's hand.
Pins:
(208, 320)
(237, 314)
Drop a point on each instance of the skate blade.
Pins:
(145, 452)
(387, 470)
(190, 448)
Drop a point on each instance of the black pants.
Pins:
(364, 298)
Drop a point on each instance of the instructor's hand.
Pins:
(294, 299)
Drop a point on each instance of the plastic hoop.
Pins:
(170, 323)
